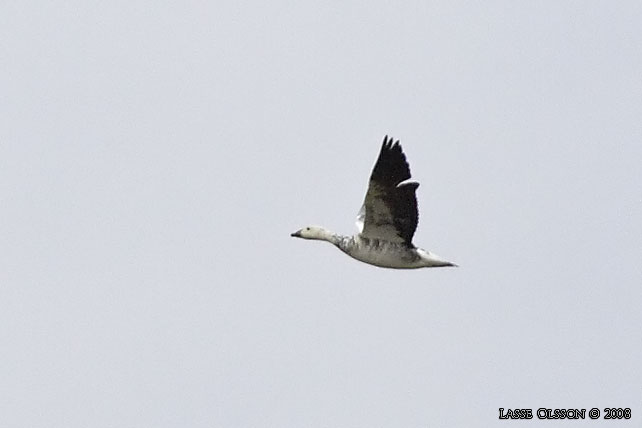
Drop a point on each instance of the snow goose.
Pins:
(387, 220)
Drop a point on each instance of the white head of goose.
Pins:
(387, 220)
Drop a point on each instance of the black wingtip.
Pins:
(386, 143)
(389, 143)
(391, 167)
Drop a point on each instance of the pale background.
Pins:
(155, 157)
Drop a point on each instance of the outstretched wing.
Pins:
(390, 205)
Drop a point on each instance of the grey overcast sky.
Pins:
(155, 157)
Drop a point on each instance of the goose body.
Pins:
(387, 220)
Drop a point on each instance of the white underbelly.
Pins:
(390, 257)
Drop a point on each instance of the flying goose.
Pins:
(387, 220)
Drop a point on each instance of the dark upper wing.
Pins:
(390, 205)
